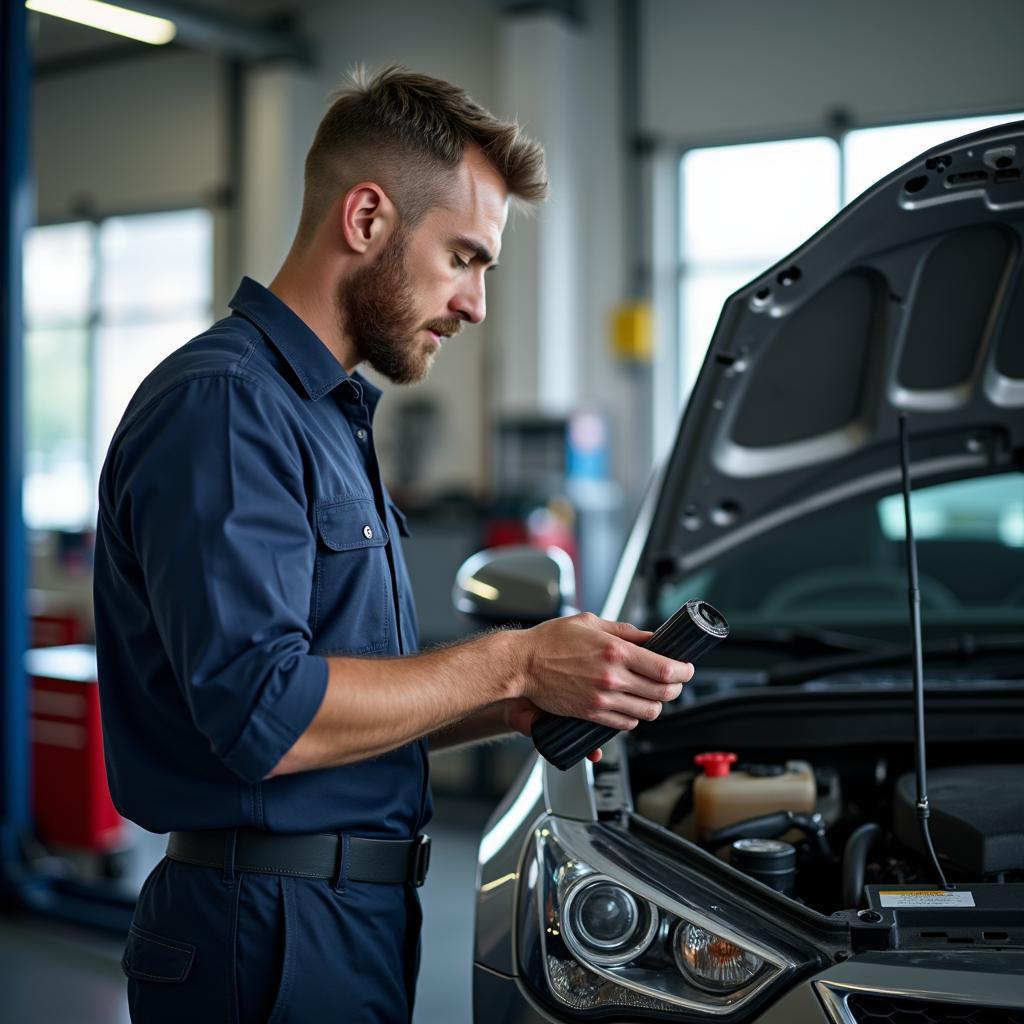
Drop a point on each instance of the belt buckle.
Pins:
(420, 860)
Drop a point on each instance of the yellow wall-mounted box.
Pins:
(632, 331)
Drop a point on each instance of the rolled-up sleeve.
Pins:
(211, 484)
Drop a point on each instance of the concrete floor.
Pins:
(58, 974)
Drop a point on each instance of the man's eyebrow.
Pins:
(480, 252)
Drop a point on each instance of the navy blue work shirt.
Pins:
(245, 534)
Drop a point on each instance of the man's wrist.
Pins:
(505, 658)
(516, 660)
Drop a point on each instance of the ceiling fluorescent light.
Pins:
(109, 18)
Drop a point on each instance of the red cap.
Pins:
(715, 764)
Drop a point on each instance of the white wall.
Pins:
(280, 109)
(603, 226)
(745, 69)
(141, 134)
(456, 40)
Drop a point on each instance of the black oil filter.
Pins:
(689, 633)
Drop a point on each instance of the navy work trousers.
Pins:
(212, 944)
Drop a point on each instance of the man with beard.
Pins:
(262, 696)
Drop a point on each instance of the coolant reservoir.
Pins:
(722, 797)
(658, 802)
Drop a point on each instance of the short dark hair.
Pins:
(409, 132)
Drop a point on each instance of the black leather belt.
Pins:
(305, 856)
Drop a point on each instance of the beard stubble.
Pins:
(376, 308)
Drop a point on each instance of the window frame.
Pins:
(92, 324)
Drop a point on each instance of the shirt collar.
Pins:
(315, 366)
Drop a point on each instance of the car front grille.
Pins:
(866, 1009)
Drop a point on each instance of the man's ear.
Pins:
(367, 216)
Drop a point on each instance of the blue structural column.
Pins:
(98, 905)
(15, 212)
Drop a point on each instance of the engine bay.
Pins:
(813, 808)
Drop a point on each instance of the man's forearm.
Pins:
(579, 666)
(373, 705)
(488, 723)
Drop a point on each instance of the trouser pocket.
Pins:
(178, 946)
(151, 957)
(158, 968)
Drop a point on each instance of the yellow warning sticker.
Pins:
(926, 898)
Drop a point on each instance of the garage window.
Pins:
(104, 303)
(743, 208)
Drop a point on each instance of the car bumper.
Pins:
(836, 995)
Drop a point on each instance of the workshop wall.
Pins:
(742, 70)
(152, 132)
(455, 40)
(139, 134)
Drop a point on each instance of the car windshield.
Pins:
(842, 572)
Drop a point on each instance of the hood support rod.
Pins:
(914, 599)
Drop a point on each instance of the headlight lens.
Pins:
(606, 923)
(711, 962)
(594, 934)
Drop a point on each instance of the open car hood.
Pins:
(910, 300)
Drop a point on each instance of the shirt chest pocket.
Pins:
(352, 601)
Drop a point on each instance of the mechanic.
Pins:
(262, 699)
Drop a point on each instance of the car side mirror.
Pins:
(518, 585)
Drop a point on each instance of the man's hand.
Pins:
(520, 715)
(580, 667)
(591, 668)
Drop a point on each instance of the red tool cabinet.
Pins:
(71, 799)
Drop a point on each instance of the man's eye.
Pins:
(459, 261)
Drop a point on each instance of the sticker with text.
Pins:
(925, 898)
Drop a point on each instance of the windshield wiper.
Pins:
(809, 639)
(960, 647)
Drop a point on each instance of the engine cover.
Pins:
(977, 816)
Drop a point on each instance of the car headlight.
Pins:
(595, 934)
(711, 962)
(607, 924)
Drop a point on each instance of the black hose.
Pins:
(766, 826)
(855, 859)
(769, 826)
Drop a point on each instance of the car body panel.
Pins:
(962, 979)
(906, 302)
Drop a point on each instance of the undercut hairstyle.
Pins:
(408, 133)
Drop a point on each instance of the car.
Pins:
(755, 854)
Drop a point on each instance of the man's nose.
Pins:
(470, 303)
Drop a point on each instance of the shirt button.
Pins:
(361, 434)
(367, 533)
